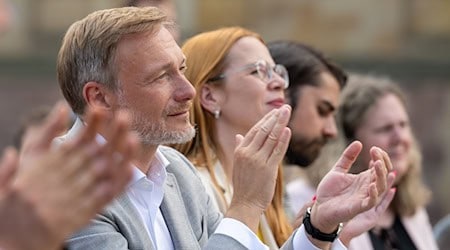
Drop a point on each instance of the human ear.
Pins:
(210, 99)
(97, 95)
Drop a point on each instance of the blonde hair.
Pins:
(206, 55)
(361, 93)
(88, 49)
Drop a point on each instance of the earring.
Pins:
(216, 113)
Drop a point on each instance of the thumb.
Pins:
(8, 167)
(348, 157)
(54, 123)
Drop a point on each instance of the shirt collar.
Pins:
(157, 172)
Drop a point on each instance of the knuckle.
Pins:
(264, 129)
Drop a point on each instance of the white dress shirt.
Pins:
(146, 193)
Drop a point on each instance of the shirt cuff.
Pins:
(240, 232)
(338, 245)
(301, 241)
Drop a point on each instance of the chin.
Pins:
(401, 167)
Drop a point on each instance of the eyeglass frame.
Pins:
(258, 67)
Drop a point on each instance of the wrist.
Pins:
(317, 233)
(247, 214)
(320, 222)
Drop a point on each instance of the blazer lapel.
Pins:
(134, 220)
(419, 230)
(176, 217)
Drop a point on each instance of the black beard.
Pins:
(297, 158)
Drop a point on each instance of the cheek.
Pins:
(407, 139)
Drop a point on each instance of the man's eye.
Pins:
(254, 72)
(323, 112)
(183, 69)
(160, 77)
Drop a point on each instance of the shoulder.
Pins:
(173, 155)
(420, 217)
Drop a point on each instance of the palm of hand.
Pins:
(337, 187)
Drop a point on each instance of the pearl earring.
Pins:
(216, 114)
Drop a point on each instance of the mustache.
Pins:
(178, 108)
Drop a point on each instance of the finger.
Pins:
(279, 151)
(274, 135)
(89, 176)
(387, 161)
(381, 173)
(385, 201)
(117, 169)
(375, 153)
(53, 125)
(79, 158)
(120, 168)
(348, 157)
(90, 203)
(249, 137)
(8, 167)
(95, 119)
(371, 200)
(99, 196)
(371, 164)
(118, 133)
(390, 179)
(116, 175)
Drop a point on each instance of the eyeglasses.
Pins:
(263, 70)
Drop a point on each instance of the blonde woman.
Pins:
(373, 110)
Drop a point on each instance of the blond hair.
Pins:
(206, 55)
(88, 49)
(361, 93)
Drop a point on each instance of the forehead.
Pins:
(387, 108)
(327, 90)
(247, 50)
(148, 51)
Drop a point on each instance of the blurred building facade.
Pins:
(407, 40)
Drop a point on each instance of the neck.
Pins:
(226, 139)
(144, 156)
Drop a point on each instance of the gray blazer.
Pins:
(186, 208)
(189, 213)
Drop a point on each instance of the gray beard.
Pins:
(159, 137)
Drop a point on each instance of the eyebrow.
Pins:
(328, 104)
(163, 68)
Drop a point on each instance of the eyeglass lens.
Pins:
(266, 72)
